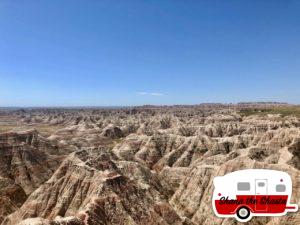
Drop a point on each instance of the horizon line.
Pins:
(159, 105)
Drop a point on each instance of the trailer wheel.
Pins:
(243, 213)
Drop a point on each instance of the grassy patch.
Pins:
(6, 128)
(282, 110)
(44, 129)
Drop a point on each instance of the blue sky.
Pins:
(104, 53)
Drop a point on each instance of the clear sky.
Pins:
(134, 52)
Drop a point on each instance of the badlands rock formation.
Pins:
(144, 165)
(26, 161)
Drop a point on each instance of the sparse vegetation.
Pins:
(6, 128)
(282, 110)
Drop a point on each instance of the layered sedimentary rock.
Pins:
(12, 196)
(26, 161)
(144, 165)
(91, 188)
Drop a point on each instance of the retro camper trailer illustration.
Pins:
(253, 192)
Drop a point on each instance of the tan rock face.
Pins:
(89, 185)
(12, 196)
(138, 166)
(25, 163)
(27, 159)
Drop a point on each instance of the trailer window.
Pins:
(243, 186)
(280, 188)
(261, 184)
